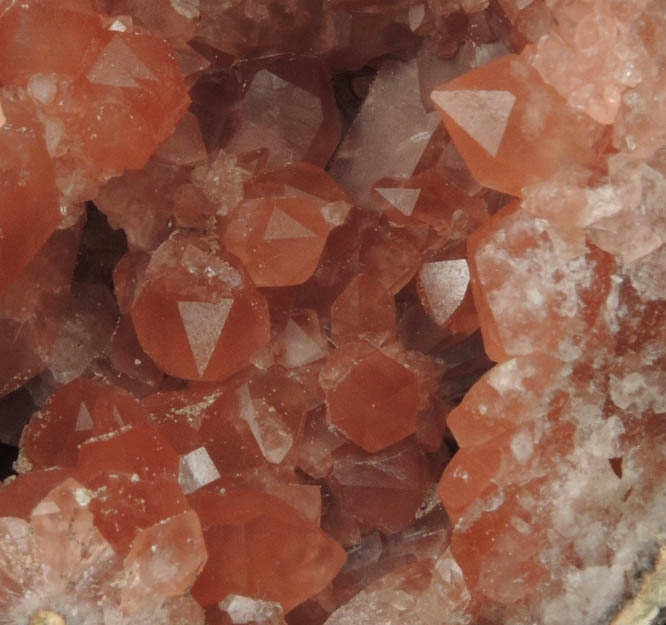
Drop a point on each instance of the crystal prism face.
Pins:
(271, 433)
(264, 548)
(363, 311)
(381, 490)
(141, 77)
(389, 134)
(25, 30)
(59, 559)
(22, 329)
(543, 285)
(28, 185)
(76, 412)
(293, 116)
(513, 433)
(288, 112)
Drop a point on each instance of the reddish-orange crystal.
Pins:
(338, 312)
(511, 128)
(76, 412)
(363, 311)
(263, 548)
(196, 313)
(28, 193)
(372, 398)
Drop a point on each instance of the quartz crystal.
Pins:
(332, 312)
(214, 317)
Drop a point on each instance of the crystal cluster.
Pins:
(333, 312)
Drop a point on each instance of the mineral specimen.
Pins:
(333, 312)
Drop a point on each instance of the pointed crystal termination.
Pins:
(288, 112)
(381, 490)
(27, 29)
(138, 472)
(280, 117)
(119, 66)
(299, 344)
(279, 231)
(536, 291)
(280, 240)
(140, 75)
(32, 308)
(511, 128)
(197, 315)
(75, 412)
(363, 311)
(483, 114)
(430, 590)
(58, 568)
(403, 199)
(372, 399)
(388, 136)
(442, 286)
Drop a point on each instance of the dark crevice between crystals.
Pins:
(15, 411)
(100, 250)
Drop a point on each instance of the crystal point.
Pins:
(484, 115)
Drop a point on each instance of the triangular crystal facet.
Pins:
(196, 469)
(302, 349)
(118, 66)
(84, 421)
(282, 226)
(45, 507)
(203, 323)
(403, 199)
(483, 115)
(415, 16)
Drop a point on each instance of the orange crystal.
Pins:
(203, 303)
(511, 128)
(262, 548)
(280, 229)
(288, 403)
(28, 186)
(372, 399)
(279, 239)
(363, 311)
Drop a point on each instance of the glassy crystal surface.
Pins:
(339, 312)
